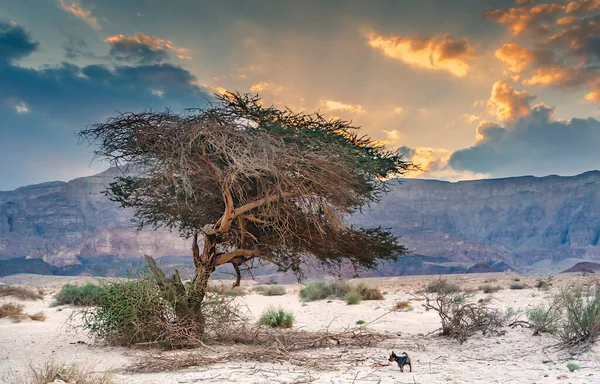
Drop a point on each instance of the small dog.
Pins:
(402, 360)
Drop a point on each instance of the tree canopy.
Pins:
(251, 182)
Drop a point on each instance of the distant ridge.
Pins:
(584, 267)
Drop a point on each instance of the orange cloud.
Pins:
(507, 104)
(75, 9)
(515, 56)
(215, 88)
(469, 118)
(567, 20)
(398, 110)
(557, 76)
(152, 43)
(259, 87)
(442, 52)
(331, 105)
(524, 17)
(582, 6)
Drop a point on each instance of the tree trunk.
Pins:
(205, 266)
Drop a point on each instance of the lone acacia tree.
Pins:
(246, 183)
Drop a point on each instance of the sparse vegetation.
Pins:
(442, 286)
(222, 289)
(276, 318)
(403, 306)
(274, 290)
(543, 320)
(352, 298)
(541, 283)
(572, 367)
(460, 317)
(360, 322)
(22, 293)
(488, 288)
(38, 316)
(517, 286)
(52, 372)
(580, 307)
(79, 295)
(11, 310)
(258, 288)
(369, 293)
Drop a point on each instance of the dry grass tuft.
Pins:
(11, 310)
(38, 316)
(52, 372)
(22, 293)
(403, 306)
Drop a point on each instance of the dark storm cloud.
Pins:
(15, 42)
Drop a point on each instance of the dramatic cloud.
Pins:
(525, 17)
(74, 8)
(582, 6)
(518, 58)
(507, 104)
(537, 144)
(433, 164)
(442, 52)
(143, 49)
(331, 105)
(15, 43)
(42, 108)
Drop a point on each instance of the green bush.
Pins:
(442, 286)
(85, 295)
(258, 288)
(276, 318)
(580, 308)
(573, 367)
(22, 293)
(360, 322)
(352, 298)
(319, 290)
(543, 320)
(274, 290)
(541, 283)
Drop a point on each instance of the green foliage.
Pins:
(543, 320)
(442, 286)
(573, 367)
(22, 293)
(360, 322)
(352, 298)
(580, 308)
(541, 283)
(128, 312)
(320, 290)
(85, 295)
(276, 318)
(274, 290)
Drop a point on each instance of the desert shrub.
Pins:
(276, 318)
(225, 290)
(84, 295)
(319, 290)
(274, 290)
(403, 306)
(369, 293)
(133, 311)
(258, 288)
(572, 367)
(352, 298)
(360, 322)
(38, 316)
(541, 283)
(580, 307)
(488, 288)
(544, 320)
(11, 310)
(517, 286)
(22, 293)
(52, 372)
(442, 286)
(460, 317)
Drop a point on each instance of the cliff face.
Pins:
(58, 221)
(517, 220)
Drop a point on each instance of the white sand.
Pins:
(516, 357)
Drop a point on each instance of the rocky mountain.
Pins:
(448, 226)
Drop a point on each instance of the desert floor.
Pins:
(516, 357)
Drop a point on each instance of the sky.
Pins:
(466, 89)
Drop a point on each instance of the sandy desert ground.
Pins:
(516, 357)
